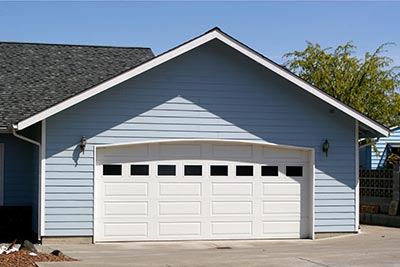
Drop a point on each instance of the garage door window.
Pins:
(269, 170)
(219, 170)
(193, 170)
(244, 170)
(166, 170)
(139, 170)
(112, 169)
(294, 171)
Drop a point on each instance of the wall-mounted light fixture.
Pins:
(325, 147)
(83, 144)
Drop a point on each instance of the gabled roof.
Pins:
(35, 77)
(367, 124)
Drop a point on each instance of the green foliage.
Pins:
(369, 85)
(392, 160)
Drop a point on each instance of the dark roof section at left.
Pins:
(35, 77)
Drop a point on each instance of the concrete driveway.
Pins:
(375, 246)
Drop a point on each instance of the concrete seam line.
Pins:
(317, 263)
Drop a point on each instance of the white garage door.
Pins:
(198, 190)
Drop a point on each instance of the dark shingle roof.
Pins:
(34, 77)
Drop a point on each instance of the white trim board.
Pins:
(42, 182)
(357, 179)
(215, 34)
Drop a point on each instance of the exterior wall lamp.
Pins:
(325, 147)
(83, 144)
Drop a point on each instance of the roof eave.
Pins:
(196, 42)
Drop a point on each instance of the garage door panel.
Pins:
(232, 151)
(281, 207)
(281, 217)
(125, 208)
(284, 154)
(281, 227)
(285, 198)
(232, 228)
(179, 228)
(232, 208)
(232, 189)
(282, 179)
(125, 229)
(152, 206)
(125, 189)
(180, 189)
(179, 208)
(111, 153)
(178, 151)
(273, 189)
(279, 235)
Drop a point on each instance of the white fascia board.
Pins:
(215, 34)
(394, 128)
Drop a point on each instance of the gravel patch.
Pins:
(22, 258)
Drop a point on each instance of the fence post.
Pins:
(396, 183)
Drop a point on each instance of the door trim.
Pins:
(311, 162)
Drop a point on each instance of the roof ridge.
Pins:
(74, 45)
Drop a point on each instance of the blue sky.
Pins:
(271, 28)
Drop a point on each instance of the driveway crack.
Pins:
(314, 262)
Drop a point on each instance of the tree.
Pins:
(369, 85)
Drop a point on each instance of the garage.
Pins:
(201, 190)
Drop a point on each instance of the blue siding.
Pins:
(210, 92)
(21, 172)
(371, 160)
(365, 157)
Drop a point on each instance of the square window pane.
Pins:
(269, 170)
(294, 171)
(109, 169)
(140, 169)
(219, 170)
(193, 170)
(244, 170)
(166, 170)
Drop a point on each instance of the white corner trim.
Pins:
(96, 223)
(312, 194)
(357, 179)
(215, 34)
(42, 180)
(1, 174)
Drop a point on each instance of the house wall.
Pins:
(365, 157)
(21, 169)
(210, 92)
(380, 145)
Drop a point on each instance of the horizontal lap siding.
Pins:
(394, 138)
(209, 93)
